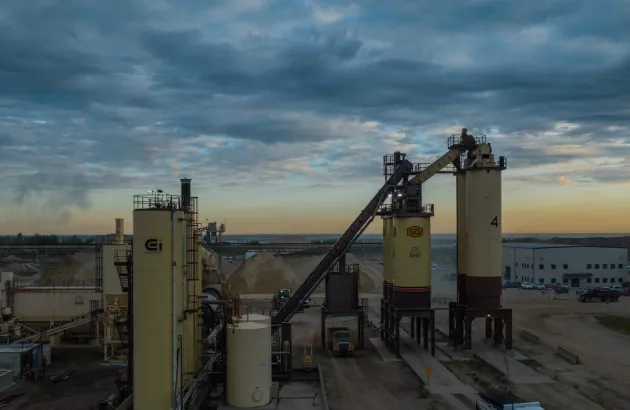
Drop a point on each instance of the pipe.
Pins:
(174, 280)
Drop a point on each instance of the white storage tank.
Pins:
(254, 317)
(248, 365)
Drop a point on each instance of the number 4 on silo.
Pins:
(495, 222)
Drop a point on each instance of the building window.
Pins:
(565, 280)
(565, 266)
(597, 266)
(620, 280)
(620, 266)
(553, 266)
(541, 280)
(589, 266)
(589, 280)
(596, 280)
(605, 280)
(78, 300)
(605, 266)
(541, 266)
(612, 280)
(612, 266)
(553, 280)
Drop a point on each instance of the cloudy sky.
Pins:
(280, 111)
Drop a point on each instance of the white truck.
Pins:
(501, 400)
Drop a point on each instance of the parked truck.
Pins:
(502, 400)
(601, 294)
(339, 341)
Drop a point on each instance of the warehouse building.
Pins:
(578, 266)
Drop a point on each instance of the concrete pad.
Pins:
(515, 371)
(442, 381)
(383, 351)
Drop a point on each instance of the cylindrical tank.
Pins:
(253, 318)
(153, 327)
(462, 243)
(388, 225)
(483, 224)
(411, 262)
(120, 230)
(248, 365)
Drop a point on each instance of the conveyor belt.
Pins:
(313, 280)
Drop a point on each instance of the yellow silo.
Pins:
(483, 225)
(192, 301)
(462, 238)
(158, 257)
(412, 262)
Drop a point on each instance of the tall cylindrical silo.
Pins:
(157, 272)
(483, 225)
(462, 239)
(248, 365)
(411, 262)
(388, 225)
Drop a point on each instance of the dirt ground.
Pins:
(601, 380)
(89, 382)
(604, 372)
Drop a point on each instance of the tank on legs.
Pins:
(411, 262)
(462, 237)
(483, 225)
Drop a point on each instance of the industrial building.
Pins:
(578, 266)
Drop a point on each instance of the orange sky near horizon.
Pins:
(527, 208)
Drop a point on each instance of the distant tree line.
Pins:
(38, 239)
(526, 239)
(324, 241)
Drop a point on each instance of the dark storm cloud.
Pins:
(130, 79)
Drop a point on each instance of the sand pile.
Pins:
(211, 275)
(77, 269)
(268, 272)
(20, 268)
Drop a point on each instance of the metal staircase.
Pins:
(123, 260)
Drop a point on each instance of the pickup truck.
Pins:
(502, 400)
(601, 294)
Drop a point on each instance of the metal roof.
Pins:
(534, 245)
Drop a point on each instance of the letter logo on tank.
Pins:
(415, 231)
(153, 245)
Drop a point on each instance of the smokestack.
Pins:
(185, 194)
(120, 230)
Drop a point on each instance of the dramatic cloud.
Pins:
(132, 93)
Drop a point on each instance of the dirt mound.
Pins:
(77, 269)
(263, 273)
(21, 268)
(268, 272)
